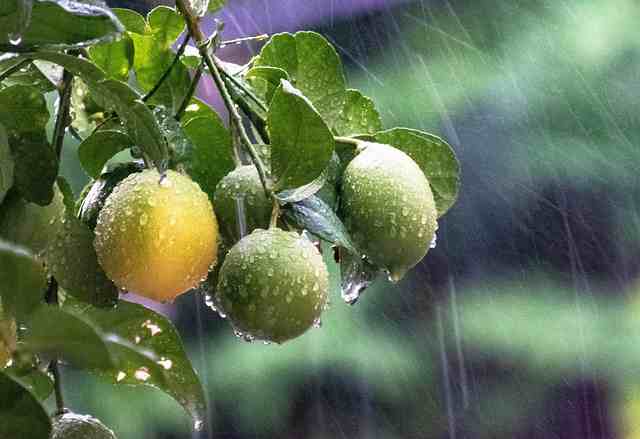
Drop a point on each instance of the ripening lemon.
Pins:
(155, 236)
(388, 208)
(272, 285)
(241, 185)
(74, 426)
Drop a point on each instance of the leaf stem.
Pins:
(348, 141)
(62, 119)
(54, 368)
(13, 69)
(212, 63)
(167, 72)
(192, 89)
(260, 37)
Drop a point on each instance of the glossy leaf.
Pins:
(356, 274)
(21, 415)
(132, 21)
(55, 331)
(317, 217)
(119, 97)
(6, 165)
(434, 156)
(301, 143)
(115, 58)
(22, 281)
(60, 24)
(265, 80)
(197, 108)
(166, 25)
(210, 157)
(35, 381)
(146, 329)
(303, 192)
(36, 167)
(358, 115)
(314, 67)
(97, 149)
(29, 75)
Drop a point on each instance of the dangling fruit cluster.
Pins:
(272, 285)
(388, 208)
(156, 235)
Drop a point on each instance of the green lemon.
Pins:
(272, 285)
(74, 426)
(8, 338)
(388, 208)
(155, 236)
(28, 224)
(242, 184)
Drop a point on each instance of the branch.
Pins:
(212, 63)
(62, 119)
(166, 73)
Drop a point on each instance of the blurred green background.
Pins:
(523, 321)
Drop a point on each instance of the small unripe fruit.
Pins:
(388, 208)
(74, 426)
(155, 236)
(272, 285)
(242, 184)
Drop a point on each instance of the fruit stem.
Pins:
(192, 88)
(348, 141)
(62, 118)
(212, 63)
(13, 69)
(166, 73)
(275, 212)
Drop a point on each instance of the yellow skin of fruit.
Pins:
(272, 285)
(157, 238)
(388, 208)
(241, 183)
(74, 426)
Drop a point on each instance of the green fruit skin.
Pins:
(273, 285)
(71, 258)
(28, 224)
(242, 183)
(74, 426)
(388, 208)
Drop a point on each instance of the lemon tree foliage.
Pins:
(180, 198)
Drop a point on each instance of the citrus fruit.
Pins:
(388, 208)
(8, 338)
(272, 285)
(155, 236)
(74, 426)
(241, 185)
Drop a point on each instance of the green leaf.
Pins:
(356, 274)
(317, 217)
(21, 414)
(132, 21)
(151, 59)
(30, 75)
(314, 67)
(434, 156)
(15, 16)
(38, 383)
(6, 165)
(96, 150)
(36, 167)
(23, 109)
(197, 108)
(68, 198)
(302, 192)
(139, 121)
(55, 331)
(22, 281)
(61, 24)
(265, 80)
(147, 329)
(216, 5)
(115, 58)
(210, 158)
(358, 115)
(166, 25)
(301, 143)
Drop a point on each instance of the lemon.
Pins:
(388, 208)
(241, 185)
(272, 285)
(155, 236)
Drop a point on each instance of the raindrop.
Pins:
(15, 38)
(434, 240)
